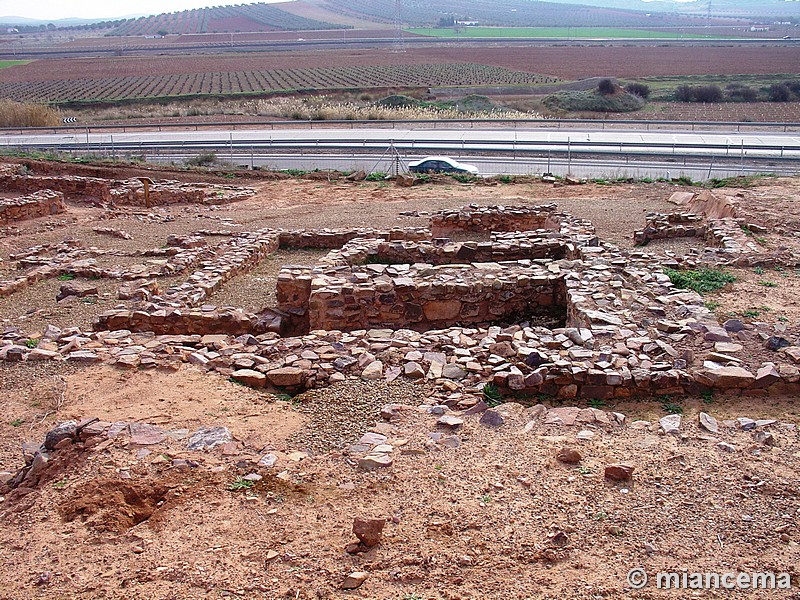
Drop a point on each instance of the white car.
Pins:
(440, 164)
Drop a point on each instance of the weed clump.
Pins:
(701, 281)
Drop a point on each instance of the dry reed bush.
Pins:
(317, 108)
(22, 114)
(322, 109)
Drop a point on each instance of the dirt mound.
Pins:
(113, 505)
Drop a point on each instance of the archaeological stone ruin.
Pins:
(526, 298)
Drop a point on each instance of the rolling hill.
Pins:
(520, 13)
(223, 19)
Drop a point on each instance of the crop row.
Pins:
(246, 17)
(237, 82)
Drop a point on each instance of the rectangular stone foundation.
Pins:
(494, 218)
(40, 204)
(425, 297)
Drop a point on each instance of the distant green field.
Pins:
(4, 64)
(553, 32)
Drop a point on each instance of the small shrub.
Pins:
(741, 93)
(423, 178)
(491, 395)
(204, 159)
(638, 89)
(699, 93)
(701, 281)
(779, 92)
(472, 103)
(592, 101)
(769, 284)
(376, 176)
(463, 177)
(66, 277)
(670, 407)
(793, 85)
(240, 484)
(398, 101)
(606, 87)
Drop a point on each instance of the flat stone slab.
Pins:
(208, 438)
(250, 377)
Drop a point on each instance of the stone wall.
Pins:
(728, 241)
(494, 218)
(442, 251)
(237, 255)
(354, 288)
(336, 238)
(131, 192)
(123, 192)
(661, 226)
(39, 204)
(69, 185)
(628, 330)
(224, 321)
(422, 297)
(174, 311)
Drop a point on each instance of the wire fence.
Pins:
(392, 161)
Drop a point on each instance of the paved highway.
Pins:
(750, 145)
(608, 167)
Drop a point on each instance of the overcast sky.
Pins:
(100, 9)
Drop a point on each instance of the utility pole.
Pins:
(399, 41)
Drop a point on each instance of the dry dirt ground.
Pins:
(496, 518)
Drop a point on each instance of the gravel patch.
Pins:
(256, 290)
(341, 413)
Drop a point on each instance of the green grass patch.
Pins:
(5, 64)
(701, 281)
(552, 32)
(742, 181)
